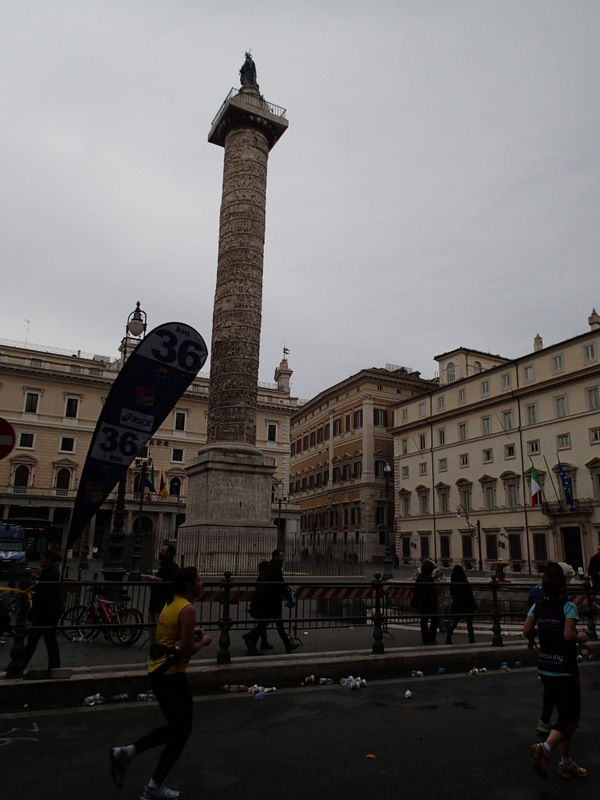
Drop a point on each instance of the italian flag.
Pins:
(536, 486)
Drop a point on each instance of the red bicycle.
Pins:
(120, 624)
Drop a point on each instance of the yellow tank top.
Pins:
(167, 634)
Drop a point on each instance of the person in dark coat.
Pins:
(426, 601)
(463, 603)
(161, 590)
(46, 608)
(594, 569)
(267, 605)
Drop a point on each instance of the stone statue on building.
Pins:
(248, 72)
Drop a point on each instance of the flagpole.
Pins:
(551, 479)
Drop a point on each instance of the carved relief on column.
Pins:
(238, 296)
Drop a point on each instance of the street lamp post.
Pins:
(475, 531)
(280, 531)
(113, 569)
(387, 562)
(136, 558)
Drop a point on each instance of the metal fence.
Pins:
(224, 605)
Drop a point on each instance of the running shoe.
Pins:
(119, 761)
(571, 770)
(541, 759)
(161, 792)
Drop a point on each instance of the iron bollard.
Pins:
(224, 656)
(16, 667)
(591, 625)
(496, 629)
(377, 585)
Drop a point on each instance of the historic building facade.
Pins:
(53, 399)
(341, 472)
(464, 453)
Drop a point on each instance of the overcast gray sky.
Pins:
(438, 186)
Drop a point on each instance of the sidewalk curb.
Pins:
(279, 671)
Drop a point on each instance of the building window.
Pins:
(421, 409)
(380, 417)
(557, 364)
(358, 418)
(509, 451)
(179, 424)
(175, 487)
(31, 402)
(467, 547)
(177, 454)
(423, 468)
(561, 406)
(347, 423)
(346, 472)
(443, 465)
(489, 494)
(486, 426)
(444, 500)
(462, 432)
(491, 546)
(404, 414)
(506, 380)
(272, 432)
(442, 436)
(531, 412)
(63, 481)
(462, 396)
(71, 407)
(451, 372)
(380, 468)
(444, 547)
(515, 553)
(488, 456)
(465, 492)
(589, 352)
(595, 435)
(337, 427)
(405, 504)
(26, 440)
(476, 367)
(293, 449)
(422, 441)
(528, 373)
(21, 477)
(540, 548)
(67, 444)
(593, 398)
(533, 446)
(440, 402)
(404, 446)
(512, 495)
(326, 434)
(563, 442)
(424, 503)
(463, 460)
(358, 469)
(305, 442)
(405, 470)
(508, 420)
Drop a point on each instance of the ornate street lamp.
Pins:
(387, 562)
(113, 569)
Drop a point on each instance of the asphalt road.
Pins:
(458, 736)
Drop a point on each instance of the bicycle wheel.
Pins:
(125, 632)
(75, 623)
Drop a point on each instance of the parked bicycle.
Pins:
(120, 624)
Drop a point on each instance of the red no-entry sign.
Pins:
(7, 438)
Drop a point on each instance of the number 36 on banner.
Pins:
(175, 345)
(117, 445)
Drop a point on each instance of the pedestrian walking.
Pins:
(177, 639)
(554, 621)
(161, 589)
(272, 593)
(463, 603)
(46, 608)
(425, 600)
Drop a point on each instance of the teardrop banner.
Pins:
(145, 391)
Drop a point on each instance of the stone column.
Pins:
(229, 496)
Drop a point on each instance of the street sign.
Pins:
(7, 438)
